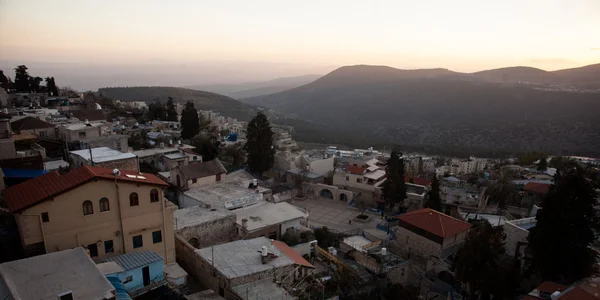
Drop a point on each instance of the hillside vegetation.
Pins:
(444, 109)
(202, 100)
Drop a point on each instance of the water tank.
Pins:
(264, 252)
(555, 295)
(384, 251)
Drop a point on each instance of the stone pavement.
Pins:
(334, 214)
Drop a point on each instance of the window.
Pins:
(156, 237)
(218, 177)
(195, 157)
(104, 205)
(273, 235)
(359, 180)
(133, 199)
(88, 207)
(45, 217)
(82, 134)
(93, 248)
(66, 296)
(128, 279)
(42, 134)
(109, 247)
(154, 195)
(194, 180)
(347, 178)
(137, 241)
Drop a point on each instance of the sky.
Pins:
(461, 35)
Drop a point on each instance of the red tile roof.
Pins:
(292, 254)
(541, 188)
(39, 189)
(550, 287)
(418, 180)
(29, 123)
(577, 293)
(434, 222)
(356, 170)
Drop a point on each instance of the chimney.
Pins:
(264, 254)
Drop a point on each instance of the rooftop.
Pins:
(51, 184)
(263, 289)
(291, 253)
(102, 154)
(46, 276)
(28, 123)
(55, 164)
(494, 220)
(540, 188)
(243, 257)
(133, 260)
(418, 180)
(88, 114)
(110, 267)
(434, 222)
(196, 215)
(155, 151)
(355, 170)
(81, 125)
(203, 169)
(524, 224)
(309, 175)
(267, 214)
(224, 195)
(176, 155)
(357, 242)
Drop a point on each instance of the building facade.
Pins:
(92, 207)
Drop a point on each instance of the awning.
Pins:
(119, 287)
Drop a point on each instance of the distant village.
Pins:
(84, 215)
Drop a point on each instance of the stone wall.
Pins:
(130, 164)
(415, 244)
(210, 233)
(514, 234)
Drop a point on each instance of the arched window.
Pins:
(133, 199)
(88, 207)
(104, 205)
(154, 195)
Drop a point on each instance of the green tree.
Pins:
(567, 224)
(259, 145)
(477, 263)
(206, 145)
(35, 84)
(3, 79)
(139, 140)
(171, 111)
(22, 79)
(51, 87)
(235, 154)
(434, 200)
(394, 188)
(503, 192)
(190, 122)
(542, 164)
(157, 111)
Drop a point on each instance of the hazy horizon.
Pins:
(241, 41)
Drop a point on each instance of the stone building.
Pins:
(104, 157)
(427, 233)
(224, 267)
(269, 219)
(197, 174)
(202, 227)
(92, 207)
(7, 145)
(34, 126)
(517, 232)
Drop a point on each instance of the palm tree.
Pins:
(503, 192)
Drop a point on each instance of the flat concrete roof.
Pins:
(102, 154)
(264, 289)
(357, 242)
(495, 220)
(82, 125)
(225, 195)
(195, 215)
(156, 151)
(267, 214)
(46, 276)
(110, 267)
(243, 257)
(176, 155)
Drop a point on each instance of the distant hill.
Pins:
(252, 89)
(445, 109)
(202, 100)
(587, 77)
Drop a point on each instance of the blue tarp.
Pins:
(119, 288)
(21, 173)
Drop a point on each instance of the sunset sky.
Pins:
(462, 35)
